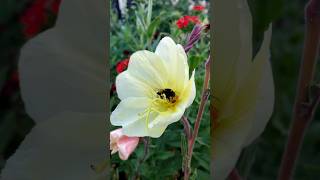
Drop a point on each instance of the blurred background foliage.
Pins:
(23, 19)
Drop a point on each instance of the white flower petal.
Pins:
(265, 97)
(62, 147)
(129, 110)
(242, 87)
(128, 86)
(166, 118)
(63, 69)
(227, 146)
(190, 91)
(148, 68)
(139, 128)
(232, 45)
(244, 116)
(175, 59)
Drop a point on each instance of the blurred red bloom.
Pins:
(184, 21)
(122, 65)
(33, 18)
(194, 19)
(198, 8)
(11, 85)
(55, 6)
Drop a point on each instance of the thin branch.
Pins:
(204, 99)
(302, 114)
(145, 154)
(187, 127)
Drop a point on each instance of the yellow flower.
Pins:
(154, 91)
(243, 87)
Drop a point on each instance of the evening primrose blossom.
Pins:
(154, 91)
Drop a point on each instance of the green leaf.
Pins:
(152, 27)
(195, 61)
(263, 13)
(165, 155)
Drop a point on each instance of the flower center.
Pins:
(164, 100)
(167, 94)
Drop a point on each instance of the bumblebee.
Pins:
(167, 94)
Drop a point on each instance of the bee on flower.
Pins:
(154, 91)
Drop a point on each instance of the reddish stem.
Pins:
(204, 99)
(302, 114)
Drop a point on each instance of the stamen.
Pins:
(163, 100)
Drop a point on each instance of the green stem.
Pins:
(145, 153)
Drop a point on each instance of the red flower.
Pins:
(184, 21)
(198, 8)
(194, 19)
(55, 6)
(122, 65)
(34, 18)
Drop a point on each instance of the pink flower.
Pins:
(123, 144)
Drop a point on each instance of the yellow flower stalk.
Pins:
(243, 87)
(154, 91)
